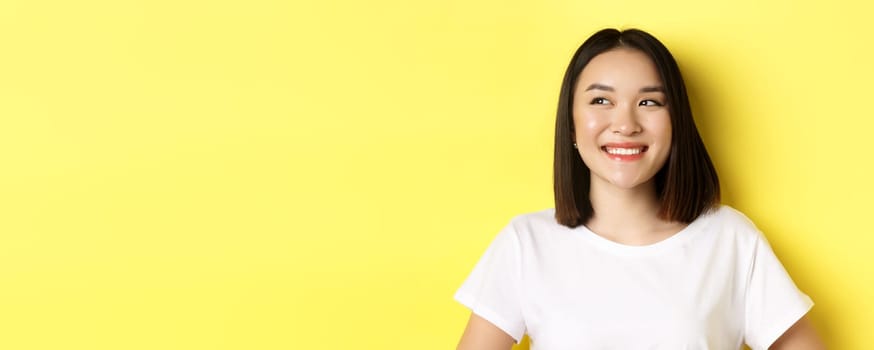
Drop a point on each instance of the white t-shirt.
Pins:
(714, 285)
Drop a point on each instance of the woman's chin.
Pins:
(628, 183)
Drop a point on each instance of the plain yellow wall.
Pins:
(323, 175)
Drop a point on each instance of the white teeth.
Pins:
(624, 151)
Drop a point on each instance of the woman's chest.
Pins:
(609, 302)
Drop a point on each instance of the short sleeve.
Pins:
(773, 302)
(492, 289)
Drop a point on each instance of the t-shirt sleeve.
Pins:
(492, 289)
(773, 302)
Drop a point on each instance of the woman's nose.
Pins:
(625, 122)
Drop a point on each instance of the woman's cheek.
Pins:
(593, 121)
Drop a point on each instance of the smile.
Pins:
(624, 153)
(624, 150)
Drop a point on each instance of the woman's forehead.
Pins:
(620, 69)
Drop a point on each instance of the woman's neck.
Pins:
(628, 215)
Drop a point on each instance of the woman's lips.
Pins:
(624, 151)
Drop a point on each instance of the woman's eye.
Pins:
(650, 103)
(599, 101)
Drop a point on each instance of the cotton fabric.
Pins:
(714, 285)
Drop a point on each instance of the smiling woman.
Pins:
(622, 98)
(638, 253)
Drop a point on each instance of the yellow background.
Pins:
(323, 175)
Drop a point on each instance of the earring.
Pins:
(575, 145)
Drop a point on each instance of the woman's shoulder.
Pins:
(536, 223)
(538, 233)
(729, 215)
(536, 220)
(727, 220)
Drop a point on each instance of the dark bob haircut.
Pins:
(686, 185)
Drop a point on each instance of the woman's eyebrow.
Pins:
(599, 87)
(654, 88)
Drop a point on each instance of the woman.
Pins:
(638, 253)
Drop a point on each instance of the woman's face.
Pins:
(622, 125)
